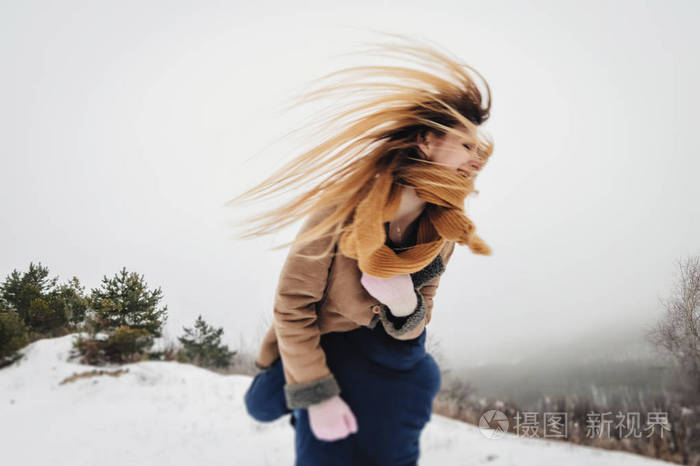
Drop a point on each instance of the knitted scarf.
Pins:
(442, 219)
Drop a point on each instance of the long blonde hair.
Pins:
(381, 127)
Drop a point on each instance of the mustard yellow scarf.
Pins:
(442, 219)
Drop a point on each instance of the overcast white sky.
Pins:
(125, 126)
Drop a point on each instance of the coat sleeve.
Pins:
(425, 282)
(301, 286)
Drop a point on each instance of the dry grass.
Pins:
(459, 400)
(93, 373)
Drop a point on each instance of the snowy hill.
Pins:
(177, 414)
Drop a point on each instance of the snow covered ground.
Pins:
(176, 414)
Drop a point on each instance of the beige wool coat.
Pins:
(314, 297)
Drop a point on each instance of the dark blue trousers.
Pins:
(389, 385)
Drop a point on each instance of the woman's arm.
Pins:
(426, 283)
(301, 285)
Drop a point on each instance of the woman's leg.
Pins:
(265, 399)
(390, 386)
(311, 451)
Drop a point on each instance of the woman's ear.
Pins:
(423, 143)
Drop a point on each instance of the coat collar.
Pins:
(427, 273)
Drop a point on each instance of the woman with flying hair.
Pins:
(345, 354)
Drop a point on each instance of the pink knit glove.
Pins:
(396, 292)
(332, 419)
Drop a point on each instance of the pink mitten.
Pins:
(332, 419)
(396, 292)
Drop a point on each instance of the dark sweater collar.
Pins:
(411, 240)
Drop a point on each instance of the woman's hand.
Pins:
(396, 292)
(332, 419)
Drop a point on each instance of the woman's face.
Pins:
(453, 152)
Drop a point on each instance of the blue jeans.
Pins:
(389, 385)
